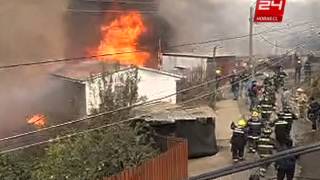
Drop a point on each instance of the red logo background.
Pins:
(269, 10)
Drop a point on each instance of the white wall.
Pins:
(170, 62)
(152, 85)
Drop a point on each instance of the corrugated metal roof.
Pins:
(172, 112)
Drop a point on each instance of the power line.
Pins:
(50, 61)
(101, 127)
(120, 109)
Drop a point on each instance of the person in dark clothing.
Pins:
(282, 129)
(314, 112)
(286, 167)
(266, 107)
(308, 71)
(254, 131)
(287, 115)
(238, 140)
(279, 78)
(253, 92)
(235, 85)
(265, 148)
(298, 67)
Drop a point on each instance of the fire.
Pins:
(38, 120)
(122, 35)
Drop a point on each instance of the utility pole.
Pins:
(251, 43)
(276, 48)
(213, 97)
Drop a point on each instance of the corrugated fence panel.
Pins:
(170, 165)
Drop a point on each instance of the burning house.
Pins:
(98, 27)
(82, 81)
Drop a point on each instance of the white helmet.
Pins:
(300, 90)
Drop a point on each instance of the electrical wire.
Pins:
(50, 61)
(91, 117)
(119, 109)
(107, 125)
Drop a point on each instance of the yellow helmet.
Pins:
(255, 114)
(242, 123)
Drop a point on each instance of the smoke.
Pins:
(30, 30)
(195, 21)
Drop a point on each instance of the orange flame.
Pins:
(122, 35)
(37, 120)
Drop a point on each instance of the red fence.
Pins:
(170, 165)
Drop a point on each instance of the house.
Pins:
(182, 63)
(81, 83)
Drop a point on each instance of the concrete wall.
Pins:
(152, 85)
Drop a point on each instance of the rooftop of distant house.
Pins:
(82, 71)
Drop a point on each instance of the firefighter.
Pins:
(286, 167)
(266, 108)
(253, 93)
(254, 131)
(238, 139)
(282, 129)
(279, 78)
(314, 112)
(268, 81)
(287, 115)
(265, 147)
(301, 100)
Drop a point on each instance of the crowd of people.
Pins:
(268, 129)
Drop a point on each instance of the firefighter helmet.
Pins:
(255, 114)
(242, 123)
(300, 90)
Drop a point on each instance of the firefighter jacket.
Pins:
(254, 128)
(266, 107)
(282, 130)
(239, 137)
(287, 116)
(265, 146)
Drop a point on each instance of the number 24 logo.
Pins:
(267, 4)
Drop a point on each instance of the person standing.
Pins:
(302, 100)
(253, 93)
(254, 131)
(286, 167)
(287, 115)
(298, 67)
(308, 70)
(285, 98)
(235, 85)
(265, 148)
(238, 140)
(282, 129)
(314, 112)
(266, 107)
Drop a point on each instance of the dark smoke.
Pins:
(39, 29)
(195, 21)
(30, 30)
